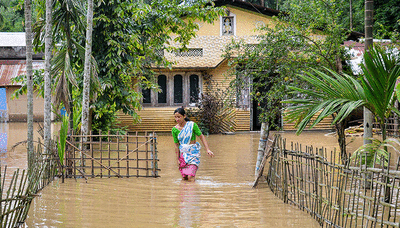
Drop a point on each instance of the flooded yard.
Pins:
(221, 196)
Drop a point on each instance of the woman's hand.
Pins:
(209, 152)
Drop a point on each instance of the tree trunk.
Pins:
(86, 77)
(340, 129)
(261, 145)
(47, 78)
(29, 81)
(368, 117)
(351, 15)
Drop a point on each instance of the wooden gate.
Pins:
(131, 155)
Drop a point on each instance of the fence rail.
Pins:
(334, 194)
(112, 155)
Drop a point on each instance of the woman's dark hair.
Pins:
(182, 112)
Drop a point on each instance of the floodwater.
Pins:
(221, 196)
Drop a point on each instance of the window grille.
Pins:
(160, 52)
(227, 26)
(250, 47)
(191, 52)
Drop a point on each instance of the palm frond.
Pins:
(331, 94)
(381, 70)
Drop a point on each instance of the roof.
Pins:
(249, 6)
(356, 51)
(12, 39)
(12, 68)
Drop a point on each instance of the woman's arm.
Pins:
(177, 152)
(204, 141)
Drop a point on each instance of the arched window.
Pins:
(194, 88)
(162, 96)
(178, 89)
(146, 96)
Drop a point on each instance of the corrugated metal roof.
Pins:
(12, 68)
(12, 39)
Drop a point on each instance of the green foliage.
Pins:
(63, 138)
(330, 94)
(38, 84)
(376, 153)
(127, 39)
(381, 69)
(12, 16)
(106, 120)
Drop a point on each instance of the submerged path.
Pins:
(221, 196)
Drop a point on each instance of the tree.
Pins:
(29, 51)
(47, 78)
(86, 74)
(133, 36)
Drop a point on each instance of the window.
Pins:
(178, 89)
(191, 52)
(146, 96)
(194, 88)
(162, 96)
(227, 26)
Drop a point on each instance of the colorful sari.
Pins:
(189, 153)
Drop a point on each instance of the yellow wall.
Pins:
(246, 23)
(17, 108)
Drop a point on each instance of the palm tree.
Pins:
(68, 12)
(47, 78)
(339, 95)
(86, 74)
(67, 15)
(29, 80)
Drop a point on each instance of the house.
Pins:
(182, 84)
(12, 64)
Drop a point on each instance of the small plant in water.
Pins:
(375, 153)
(63, 138)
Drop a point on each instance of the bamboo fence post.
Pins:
(101, 152)
(118, 162)
(109, 153)
(91, 151)
(127, 154)
(285, 177)
(74, 155)
(137, 155)
(147, 153)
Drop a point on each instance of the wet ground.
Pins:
(221, 196)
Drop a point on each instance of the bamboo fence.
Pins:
(334, 194)
(106, 155)
(17, 190)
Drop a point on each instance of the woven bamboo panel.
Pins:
(242, 120)
(325, 124)
(152, 119)
(162, 120)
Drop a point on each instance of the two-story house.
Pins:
(182, 84)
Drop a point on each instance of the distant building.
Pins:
(12, 64)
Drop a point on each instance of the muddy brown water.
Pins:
(221, 196)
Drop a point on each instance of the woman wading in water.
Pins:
(186, 147)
